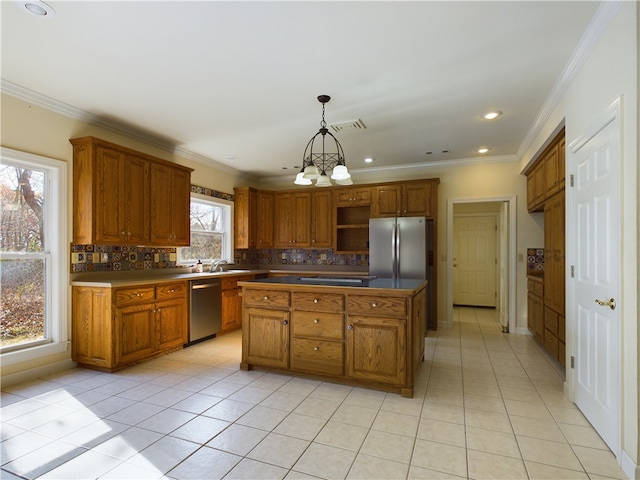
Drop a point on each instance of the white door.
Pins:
(597, 341)
(474, 260)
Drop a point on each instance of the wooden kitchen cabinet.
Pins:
(115, 327)
(170, 213)
(245, 213)
(264, 212)
(406, 199)
(546, 176)
(115, 199)
(321, 219)
(292, 220)
(374, 340)
(535, 306)
(352, 196)
(232, 302)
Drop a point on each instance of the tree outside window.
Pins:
(209, 232)
(23, 257)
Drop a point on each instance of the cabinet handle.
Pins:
(173, 290)
(315, 320)
(285, 322)
(136, 295)
(349, 327)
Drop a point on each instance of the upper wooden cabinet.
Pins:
(264, 212)
(170, 204)
(292, 219)
(406, 199)
(124, 197)
(321, 219)
(353, 196)
(546, 176)
(245, 216)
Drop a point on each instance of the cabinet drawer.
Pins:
(551, 321)
(171, 290)
(318, 324)
(324, 302)
(131, 296)
(266, 298)
(370, 305)
(317, 356)
(551, 343)
(537, 288)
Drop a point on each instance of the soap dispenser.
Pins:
(199, 267)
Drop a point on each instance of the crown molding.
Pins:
(69, 111)
(591, 36)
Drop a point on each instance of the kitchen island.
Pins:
(363, 331)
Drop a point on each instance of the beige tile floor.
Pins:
(487, 405)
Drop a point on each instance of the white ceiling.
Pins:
(240, 79)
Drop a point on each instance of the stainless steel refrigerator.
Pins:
(403, 247)
(398, 247)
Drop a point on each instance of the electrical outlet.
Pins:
(172, 257)
(520, 257)
(156, 257)
(105, 257)
(323, 256)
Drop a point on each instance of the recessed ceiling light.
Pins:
(368, 160)
(38, 8)
(491, 115)
(483, 150)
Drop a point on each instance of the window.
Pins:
(33, 257)
(210, 231)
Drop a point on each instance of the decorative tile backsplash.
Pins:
(535, 260)
(109, 258)
(298, 257)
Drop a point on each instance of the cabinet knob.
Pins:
(315, 348)
(173, 290)
(315, 300)
(265, 298)
(349, 327)
(315, 320)
(374, 305)
(285, 322)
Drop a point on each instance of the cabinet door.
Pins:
(231, 309)
(302, 225)
(245, 217)
(92, 342)
(376, 349)
(386, 201)
(136, 200)
(551, 169)
(171, 324)
(264, 221)
(109, 209)
(284, 220)
(170, 204)
(135, 333)
(265, 338)
(417, 199)
(321, 219)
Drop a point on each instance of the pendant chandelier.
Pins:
(328, 157)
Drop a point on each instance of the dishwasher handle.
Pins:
(205, 285)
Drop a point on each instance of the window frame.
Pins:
(228, 246)
(57, 289)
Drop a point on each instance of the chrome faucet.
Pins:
(216, 264)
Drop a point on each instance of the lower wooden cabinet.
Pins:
(232, 302)
(374, 340)
(115, 327)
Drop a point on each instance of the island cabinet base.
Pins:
(338, 334)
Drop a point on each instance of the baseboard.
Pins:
(37, 372)
(629, 467)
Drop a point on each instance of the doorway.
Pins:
(503, 209)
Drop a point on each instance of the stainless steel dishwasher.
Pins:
(205, 309)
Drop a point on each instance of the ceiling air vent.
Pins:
(349, 125)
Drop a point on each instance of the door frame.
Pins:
(613, 114)
(507, 288)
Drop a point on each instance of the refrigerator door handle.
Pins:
(398, 250)
(394, 250)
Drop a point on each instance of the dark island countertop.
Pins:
(364, 282)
